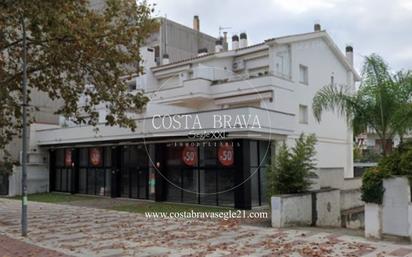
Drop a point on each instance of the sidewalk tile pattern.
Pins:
(82, 231)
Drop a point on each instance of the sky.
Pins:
(370, 26)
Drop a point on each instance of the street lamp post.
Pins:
(24, 135)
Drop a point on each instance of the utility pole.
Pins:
(24, 134)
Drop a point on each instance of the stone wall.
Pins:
(350, 199)
(328, 208)
(396, 200)
(319, 208)
(291, 210)
(394, 216)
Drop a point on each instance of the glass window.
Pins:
(264, 153)
(64, 180)
(100, 183)
(303, 114)
(190, 185)
(125, 183)
(91, 181)
(226, 182)
(142, 183)
(83, 181)
(84, 157)
(174, 184)
(133, 183)
(174, 155)
(108, 156)
(60, 157)
(69, 179)
(208, 155)
(303, 74)
(253, 154)
(57, 180)
(208, 187)
(152, 183)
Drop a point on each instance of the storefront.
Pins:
(4, 184)
(221, 173)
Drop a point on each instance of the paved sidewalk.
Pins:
(15, 248)
(81, 231)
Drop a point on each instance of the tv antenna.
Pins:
(222, 28)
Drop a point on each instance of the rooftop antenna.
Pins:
(221, 29)
(165, 33)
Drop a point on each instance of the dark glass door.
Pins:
(4, 184)
(142, 183)
(135, 173)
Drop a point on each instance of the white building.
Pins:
(212, 124)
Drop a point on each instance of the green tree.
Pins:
(382, 103)
(71, 44)
(291, 169)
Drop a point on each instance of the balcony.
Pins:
(196, 91)
(192, 91)
(235, 122)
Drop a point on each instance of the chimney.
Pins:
(202, 51)
(196, 23)
(317, 27)
(243, 40)
(165, 59)
(235, 42)
(349, 54)
(219, 45)
(225, 44)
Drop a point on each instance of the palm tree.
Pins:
(383, 101)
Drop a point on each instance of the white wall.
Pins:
(291, 211)
(396, 200)
(328, 208)
(37, 180)
(334, 148)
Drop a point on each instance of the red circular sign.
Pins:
(95, 157)
(189, 155)
(225, 155)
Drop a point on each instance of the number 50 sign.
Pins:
(189, 155)
(226, 155)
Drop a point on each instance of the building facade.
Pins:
(212, 124)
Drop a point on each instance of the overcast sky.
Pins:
(371, 26)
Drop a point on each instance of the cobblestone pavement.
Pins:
(81, 231)
(14, 248)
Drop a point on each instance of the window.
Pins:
(282, 63)
(157, 54)
(303, 74)
(303, 114)
(132, 87)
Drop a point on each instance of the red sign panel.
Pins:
(189, 155)
(225, 155)
(68, 157)
(95, 155)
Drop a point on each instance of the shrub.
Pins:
(291, 169)
(405, 164)
(6, 164)
(398, 163)
(390, 164)
(372, 185)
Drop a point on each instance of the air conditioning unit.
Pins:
(238, 65)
